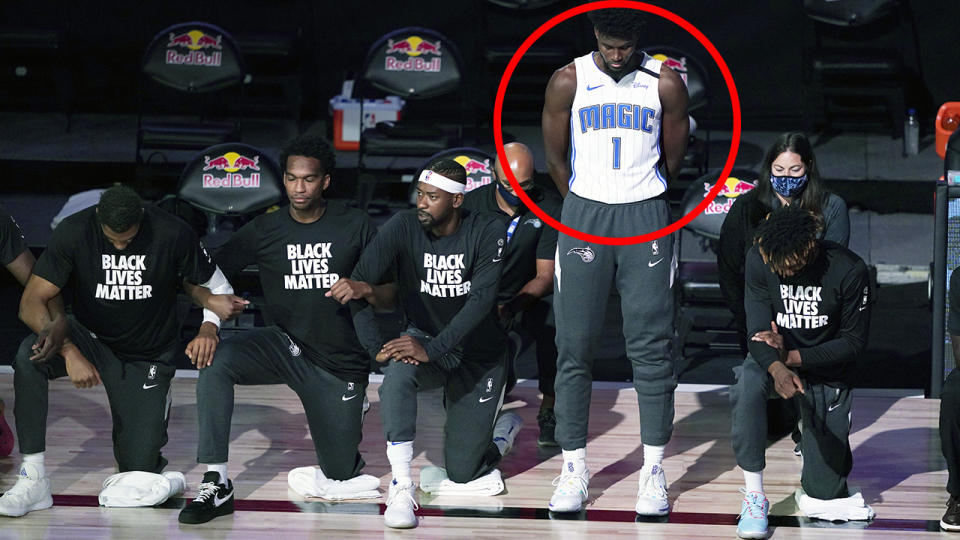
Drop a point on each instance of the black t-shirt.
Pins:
(298, 263)
(127, 298)
(532, 239)
(447, 285)
(953, 318)
(12, 243)
(822, 311)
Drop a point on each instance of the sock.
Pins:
(575, 461)
(37, 461)
(221, 469)
(652, 455)
(753, 481)
(400, 454)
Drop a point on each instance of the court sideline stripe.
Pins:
(614, 516)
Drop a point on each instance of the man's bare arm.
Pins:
(675, 122)
(555, 124)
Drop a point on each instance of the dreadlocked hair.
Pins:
(787, 238)
(620, 23)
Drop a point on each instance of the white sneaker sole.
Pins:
(644, 511)
(951, 528)
(752, 535)
(47, 502)
(566, 508)
(400, 524)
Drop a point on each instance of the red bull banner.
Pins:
(231, 163)
(194, 48)
(732, 188)
(479, 172)
(413, 54)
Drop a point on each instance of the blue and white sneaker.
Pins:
(571, 492)
(753, 515)
(652, 495)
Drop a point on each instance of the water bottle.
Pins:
(911, 134)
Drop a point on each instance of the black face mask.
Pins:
(509, 198)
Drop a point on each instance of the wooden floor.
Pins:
(897, 464)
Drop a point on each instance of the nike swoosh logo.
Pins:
(484, 400)
(345, 398)
(832, 407)
(217, 501)
(589, 88)
(862, 308)
(145, 387)
(652, 264)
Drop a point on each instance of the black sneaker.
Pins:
(213, 500)
(951, 519)
(548, 425)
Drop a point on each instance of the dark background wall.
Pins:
(762, 42)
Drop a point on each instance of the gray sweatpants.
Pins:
(585, 273)
(472, 394)
(138, 392)
(334, 407)
(825, 420)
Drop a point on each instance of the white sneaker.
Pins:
(652, 496)
(31, 492)
(571, 492)
(401, 502)
(505, 431)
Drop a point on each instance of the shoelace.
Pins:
(568, 481)
(405, 493)
(753, 504)
(206, 490)
(654, 489)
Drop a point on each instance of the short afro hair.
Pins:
(312, 146)
(120, 208)
(621, 23)
(451, 169)
(788, 238)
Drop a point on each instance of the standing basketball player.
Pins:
(448, 267)
(622, 116)
(19, 262)
(124, 263)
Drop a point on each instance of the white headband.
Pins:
(438, 180)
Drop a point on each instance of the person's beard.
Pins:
(427, 221)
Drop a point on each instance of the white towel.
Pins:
(138, 488)
(852, 508)
(434, 480)
(311, 482)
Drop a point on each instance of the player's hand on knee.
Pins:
(50, 339)
(81, 371)
(786, 382)
(405, 349)
(226, 306)
(201, 349)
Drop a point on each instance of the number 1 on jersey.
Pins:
(616, 152)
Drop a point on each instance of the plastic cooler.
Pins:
(346, 118)
(949, 110)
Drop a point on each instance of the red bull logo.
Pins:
(732, 188)
(479, 173)
(680, 66)
(195, 41)
(413, 47)
(231, 163)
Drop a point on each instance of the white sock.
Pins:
(575, 461)
(400, 454)
(221, 469)
(652, 455)
(37, 461)
(753, 481)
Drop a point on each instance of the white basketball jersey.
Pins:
(615, 134)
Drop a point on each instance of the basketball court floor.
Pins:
(897, 466)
